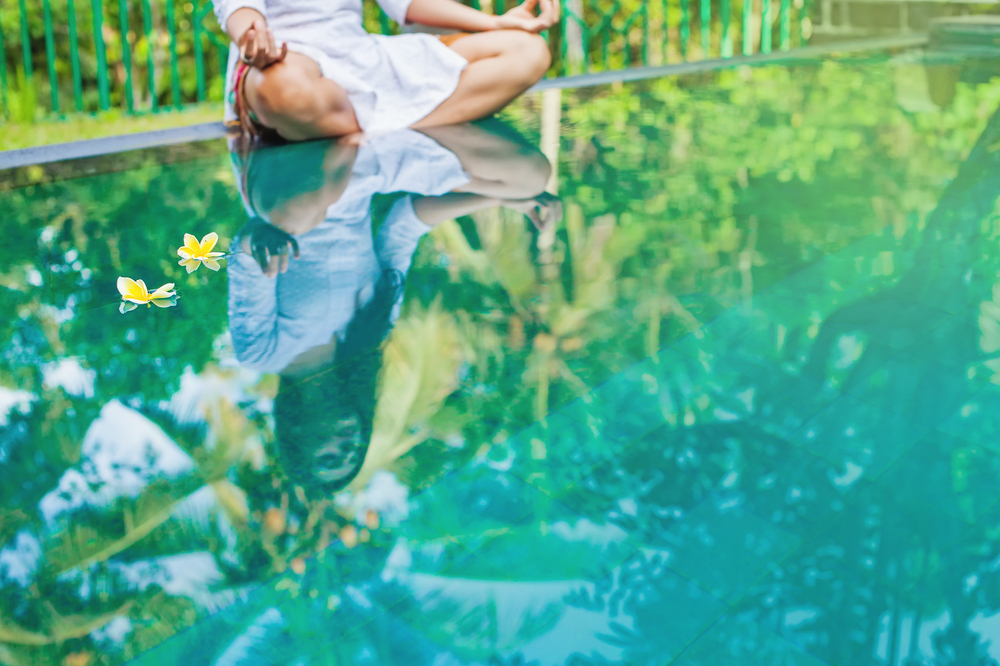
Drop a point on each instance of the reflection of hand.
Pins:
(258, 48)
(543, 210)
(523, 16)
(270, 247)
(353, 140)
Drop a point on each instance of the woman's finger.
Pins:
(295, 246)
(281, 56)
(260, 256)
(552, 12)
(529, 5)
(273, 266)
(263, 258)
(283, 266)
(252, 46)
(272, 47)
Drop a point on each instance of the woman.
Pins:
(313, 293)
(330, 77)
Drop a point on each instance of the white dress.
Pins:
(392, 82)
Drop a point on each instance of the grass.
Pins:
(15, 135)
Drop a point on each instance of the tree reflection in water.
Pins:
(708, 415)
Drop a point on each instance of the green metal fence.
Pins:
(141, 56)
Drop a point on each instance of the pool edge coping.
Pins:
(60, 152)
(640, 73)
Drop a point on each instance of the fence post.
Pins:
(765, 26)
(74, 55)
(805, 23)
(25, 43)
(50, 55)
(748, 27)
(605, 36)
(126, 53)
(726, 47)
(175, 73)
(706, 28)
(786, 25)
(102, 57)
(147, 25)
(3, 76)
(685, 28)
(574, 41)
(199, 50)
(666, 31)
(646, 35)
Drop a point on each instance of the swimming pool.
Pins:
(732, 398)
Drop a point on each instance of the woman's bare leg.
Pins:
(502, 172)
(502, 65)
(293, 98)
(497, 166)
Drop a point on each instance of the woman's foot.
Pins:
(543, 210)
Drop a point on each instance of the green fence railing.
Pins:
(140, 56)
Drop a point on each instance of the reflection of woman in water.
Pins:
(313, 294)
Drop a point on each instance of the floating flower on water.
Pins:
(134, 294)
(195, 253)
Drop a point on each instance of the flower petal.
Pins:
(215, 254)
(144, 293)
(140, 301)
(128, 287)
(191, 242)
(164, 302)
(126, 306)
(166, 291)
(191, 265)
(184, 252)
(211, 263)
(209, 241)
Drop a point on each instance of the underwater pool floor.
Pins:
(726, 393)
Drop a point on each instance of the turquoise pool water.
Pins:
(729, 394)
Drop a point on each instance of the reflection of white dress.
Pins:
(392, 81)
(273, 320)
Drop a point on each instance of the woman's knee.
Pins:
(282, 91)
(536, 174)
(533, 51)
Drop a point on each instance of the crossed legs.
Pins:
(502, 65)
(293, 98)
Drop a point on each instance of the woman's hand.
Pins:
(523, 16)
(257, 46)
(270, 247)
